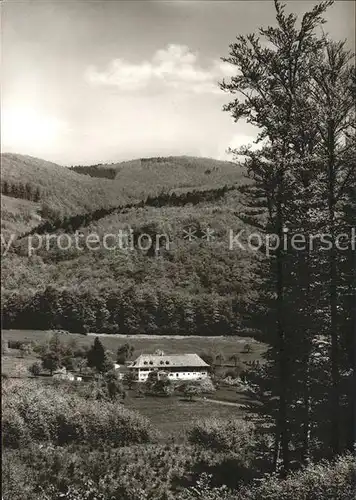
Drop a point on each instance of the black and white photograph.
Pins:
(178, 249)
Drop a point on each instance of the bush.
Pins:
(190, 389)
(158, 384)
(207, 386)
(14, 344)
(35, 369)
(136, 472)
(247, 348)
(326, 480)
(34, 413)
(223, 435)
(14, 430)
(4, 346)
(130, 379)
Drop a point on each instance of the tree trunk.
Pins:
(352, 386)
(335, 376)
(282, 423)
(306, 425)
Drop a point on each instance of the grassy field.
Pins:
(227, 346)
(171, 415)
(13, 365)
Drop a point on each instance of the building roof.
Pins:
(166, 360)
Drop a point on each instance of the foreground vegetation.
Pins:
(63, 445)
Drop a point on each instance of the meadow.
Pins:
(176, 344)
(169, 415)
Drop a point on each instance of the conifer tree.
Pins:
(272, 87)
(96, 356)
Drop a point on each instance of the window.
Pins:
(161, 362)
(151, 362)
(167, 362)
(145, 362)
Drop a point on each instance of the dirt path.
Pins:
(226, 403)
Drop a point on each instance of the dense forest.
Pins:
(19, 190)
(75, 222)
(101, 171)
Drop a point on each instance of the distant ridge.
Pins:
(65, 192)
(111, 170)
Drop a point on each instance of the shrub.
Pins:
(191, 389)
(203, 490)
(35, 369)
(247, 348)
(158, 384)
(4, 346)
(113, 385)
(326, 480)
(14, 344)
(136, 472)
(130, 379)
(222, 435)
(35, 413)
(140, 391)
(14, 430)
(207, 386)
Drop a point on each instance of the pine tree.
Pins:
(96, 356)
(333, 94)
(272, 88)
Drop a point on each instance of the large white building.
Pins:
(176, 366)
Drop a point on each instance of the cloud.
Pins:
(175, 66)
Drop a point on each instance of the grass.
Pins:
(14, 365)
(171, 415)
(227, 346)
(18, 215)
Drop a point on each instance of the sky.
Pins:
(87, 82)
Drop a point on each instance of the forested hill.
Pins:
(61, 189)
(55, 192)
(195, 286)
(185, 171)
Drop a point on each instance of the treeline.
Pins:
(73, 223)
(95, 171)
(127, 311)
(20, 190)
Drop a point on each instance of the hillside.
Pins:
(190, 287)
(169, 172)
(18, 215)
(59, 191)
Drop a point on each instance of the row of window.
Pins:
(176, 374)
(173, 368)
(151, 362)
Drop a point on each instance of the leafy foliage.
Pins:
(33, 413)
